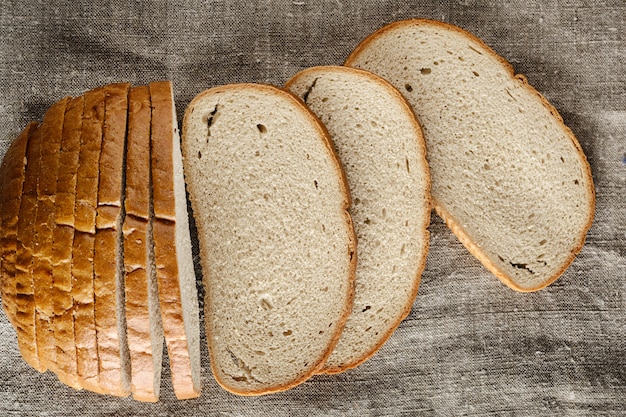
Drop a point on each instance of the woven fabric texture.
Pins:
(470, 345)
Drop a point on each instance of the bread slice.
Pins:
(113, 356)
(276, 240)
(62, 238)
(83, 247)
(25, 240)
(508, 177)
(143, 315)
(12, 180)
(382, 151)
(51, 131)
(172, 246)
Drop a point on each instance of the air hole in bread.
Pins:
(325, 99)
(475, 73)
(408, 168)
(486, 167)
(266, 303)
(316, 185)
(425, 71)
(367, 221)
(474, 49)
(287, 333)
(368, 329)
(408, 87)
(261, 128)
(403, 249)
(199, 155)
(384, 212)
(576, 182)
(366, 308)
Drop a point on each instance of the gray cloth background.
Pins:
(470, 346)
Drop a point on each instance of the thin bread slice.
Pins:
(51, 131)
(83, 247)
(277, 245)
(113, 356)
(143, 315)
(380, 145)
(508, 177)
(25, 239)
(172, 246)
(63, 236)
(12, 178)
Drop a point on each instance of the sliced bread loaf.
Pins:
(172, 246)
(143, 315)
(113, 357)
(276, 241)
(508, 177)
(381, 148)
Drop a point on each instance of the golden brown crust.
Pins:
(24, 287)
(427, 200)
(12, 178)
(52, 129)
(63, 236)
(161, 150)
(137, 201)
(137, 313)
(454, 225)
(84, 316)
(164, 231)
(89, 161)
(352, 243)
(108, 237)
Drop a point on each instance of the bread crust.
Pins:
(427, 200)
(12, 178)
(164, 231)
(136, 241)
(84, 241)
(352, 244)
(108, 241)
(62, 238)
(52, 128)
(441, 210)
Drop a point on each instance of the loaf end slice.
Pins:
(508, 177)
(381, 148)
(277, 246)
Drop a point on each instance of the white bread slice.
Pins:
(382, 151)
(83, 248)
(143, 315)
(113, 356)
(508, 177)
(276, 241)
(172, 246)
(25, 235)
(12, 173)
(51, 131)
(63, 236)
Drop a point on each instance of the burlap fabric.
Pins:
(470, 346)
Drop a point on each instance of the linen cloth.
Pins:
(470, 345)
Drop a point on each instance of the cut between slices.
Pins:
(381, 148)
(172, 246)
(276, 240)
(508, 177)
(143, 315)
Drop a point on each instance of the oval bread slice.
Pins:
(508, 177)
(381, 148)
(276, 241)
